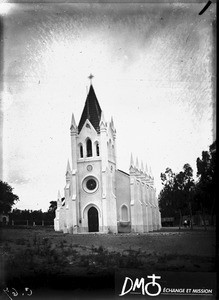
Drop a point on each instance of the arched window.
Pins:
(89, 148)
(124, 213)
(81, 151)
(97, 149)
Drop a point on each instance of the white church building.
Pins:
(98, 197)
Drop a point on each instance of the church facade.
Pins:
(98, 197)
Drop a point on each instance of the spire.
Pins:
(137, 164)
(142, 167)
(131, 161)
(146, 169)
(73, 123)
(112, 124)
(91, 111)
(102, 121)
(151, 174)
(68, 169)
(59, 200)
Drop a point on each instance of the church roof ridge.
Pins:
(92, 111)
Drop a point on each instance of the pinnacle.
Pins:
(137, 164)
(73, 123)
(102, 120)
(112, 123)
(131, 161)
(68, 169)
(142, 167)
(146, 169)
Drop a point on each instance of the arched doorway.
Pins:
(93, 220)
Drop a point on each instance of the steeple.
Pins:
(73, 124)
(142, 167)
(59, 200)
(91, 111)
(146, 170)
(68, 169)
(137, 164)
(131, 162)
(102, 123)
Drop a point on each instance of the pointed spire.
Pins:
(112, 124)
(91, 111)
(73, 123)
(59, 200)
(68, 169)
(102, 121)
(131, 161)
(146, 169)
(151, 174)
(142, 167)
(137, 164)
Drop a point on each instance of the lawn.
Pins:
(42, 257)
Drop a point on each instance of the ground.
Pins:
(42, 258)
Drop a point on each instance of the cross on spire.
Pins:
(91, 76)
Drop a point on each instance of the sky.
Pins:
(153, 67)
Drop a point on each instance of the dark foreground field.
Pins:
(43, 259)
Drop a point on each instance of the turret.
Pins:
(74, 133)
(73, 127)
(59, 200)
(68, 171)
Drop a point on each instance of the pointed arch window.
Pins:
(97, 149)
(89, 148)
(81, 151)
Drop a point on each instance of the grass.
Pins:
(45, 255)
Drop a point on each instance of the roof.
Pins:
(91, 111)
(123, 172)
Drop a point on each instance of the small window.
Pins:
(97, 149)
(81, 151)
(124, 213)
(89, 148)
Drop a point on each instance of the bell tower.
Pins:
(93, 149)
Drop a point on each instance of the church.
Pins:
(98, 197)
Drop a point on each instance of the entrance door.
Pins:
(93, 222)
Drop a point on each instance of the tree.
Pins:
(184, 189)
(52, 209)
(177, 193)
(7, 197)
(166, 197)
(205, 192)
